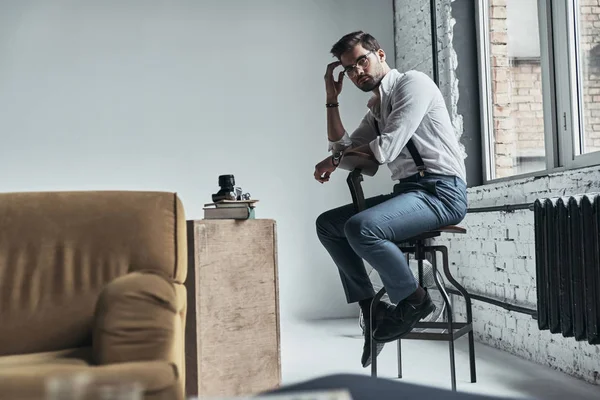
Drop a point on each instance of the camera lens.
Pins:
(227, 191)
(226, 181)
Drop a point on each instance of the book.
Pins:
(229, 213)
(230, 209)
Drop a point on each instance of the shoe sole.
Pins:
(426, 312)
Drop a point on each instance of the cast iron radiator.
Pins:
(567, 235)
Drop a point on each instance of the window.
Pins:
(517, 128)
(587, 46)
(540, 80)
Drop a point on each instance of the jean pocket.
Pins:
(453, 196)
(432, 187)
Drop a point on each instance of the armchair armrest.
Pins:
(135, 320)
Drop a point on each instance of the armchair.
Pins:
(92, 282)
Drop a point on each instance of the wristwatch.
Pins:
(335, 159)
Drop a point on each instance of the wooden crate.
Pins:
(232, 326)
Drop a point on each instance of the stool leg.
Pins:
(373, 344)
(399, 359)
(450, 318)
(420, 264)
(400, 340)
(452, 364)
(472, 356)
(467, 297)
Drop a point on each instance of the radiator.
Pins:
(567, 236)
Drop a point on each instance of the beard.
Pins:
(370, 82)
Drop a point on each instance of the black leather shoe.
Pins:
(403, 320)
(382, 311)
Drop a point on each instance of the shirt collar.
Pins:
(385, 88)
(388, 82)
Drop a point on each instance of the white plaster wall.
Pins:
(168, 95)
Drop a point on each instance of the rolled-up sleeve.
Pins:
(363, 134)
(410, 101)
(341, 144)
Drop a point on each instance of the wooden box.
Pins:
(232, 326)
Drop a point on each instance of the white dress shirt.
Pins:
(411, 106)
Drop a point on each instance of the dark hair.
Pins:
(349, 41)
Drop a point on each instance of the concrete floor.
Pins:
(313, 349)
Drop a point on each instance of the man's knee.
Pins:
(323, 224)
(359, 228)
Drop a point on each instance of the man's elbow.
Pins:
(381, 154)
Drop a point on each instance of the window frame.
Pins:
(561, 100)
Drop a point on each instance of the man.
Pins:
(408, 128)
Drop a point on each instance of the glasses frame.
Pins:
(350, 70)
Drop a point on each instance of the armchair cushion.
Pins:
(135, 320)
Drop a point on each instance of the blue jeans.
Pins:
(417, 204)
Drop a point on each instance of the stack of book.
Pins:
(230, 209)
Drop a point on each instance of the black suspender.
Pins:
(412, 150)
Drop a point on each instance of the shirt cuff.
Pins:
(341, 144)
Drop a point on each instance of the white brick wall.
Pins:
(496, 257)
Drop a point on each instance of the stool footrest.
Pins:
(459, 328)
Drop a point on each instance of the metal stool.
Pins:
(449, 330)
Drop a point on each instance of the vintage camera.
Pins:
(228, 190)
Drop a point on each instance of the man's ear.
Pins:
(381, 55)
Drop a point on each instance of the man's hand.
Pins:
(324, 169)
(333, 88)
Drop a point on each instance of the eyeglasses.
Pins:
(362, 61)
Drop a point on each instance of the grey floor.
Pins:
(313, 349)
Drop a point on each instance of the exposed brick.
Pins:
(499, 37)
(501, 86)
(524, 106)
(499, 49)
(500, 111)
(499, 60)
(497, 25)
(501, 99)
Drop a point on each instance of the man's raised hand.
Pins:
(333, 88)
